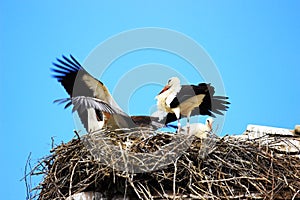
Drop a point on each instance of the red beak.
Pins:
(164, 89)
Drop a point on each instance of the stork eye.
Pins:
(169, 81)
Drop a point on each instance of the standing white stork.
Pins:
(89, 96)
(189, 100)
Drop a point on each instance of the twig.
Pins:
(27, 184)
(295, 195)
(71, 179)
(77, 134)
(174, 178)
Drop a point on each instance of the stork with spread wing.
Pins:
(90, 97)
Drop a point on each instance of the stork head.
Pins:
(173, 82)
(209, 122)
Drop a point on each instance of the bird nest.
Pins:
(184, 167)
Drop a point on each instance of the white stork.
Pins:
(89, 96)
(189, 100)
(200, 130)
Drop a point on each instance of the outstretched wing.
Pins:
(67, 72)
(88, 95)
(91, 110)
(82, 103)
(211, 104)
(78, 82)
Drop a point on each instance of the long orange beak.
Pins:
(164, 89)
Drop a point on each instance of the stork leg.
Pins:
(177, 113)
(188, 125)
(188, 122)
(179, 126)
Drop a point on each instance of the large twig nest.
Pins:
(209, 168)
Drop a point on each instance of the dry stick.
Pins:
(197, 197)
(84, 182)
(144, 191)
(28, 185)
(174, 177)
(246, 188)
(190, 185)
(148, 191)
(258, 188)
(286, 169)
(162, 188)
(228, 188)
(52, 142)
(233, 178)
(126, 188)
(191, 178)
(134, 188)
(77, 134)
(291, 187)
(209, 186)
(167, 152)
(158, 192)
(295, 195)
(224, 193)
(197, 194)
(126, 168)
(270, 173)
(242, 196)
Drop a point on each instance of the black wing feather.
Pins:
(73, 63)
(78, 64)
(210, 105)
(68, 64)
(69, 73)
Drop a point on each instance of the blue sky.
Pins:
(254, 44)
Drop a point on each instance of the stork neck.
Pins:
(175, 89)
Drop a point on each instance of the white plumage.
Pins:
(200, 130)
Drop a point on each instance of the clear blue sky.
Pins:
(255, 45)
